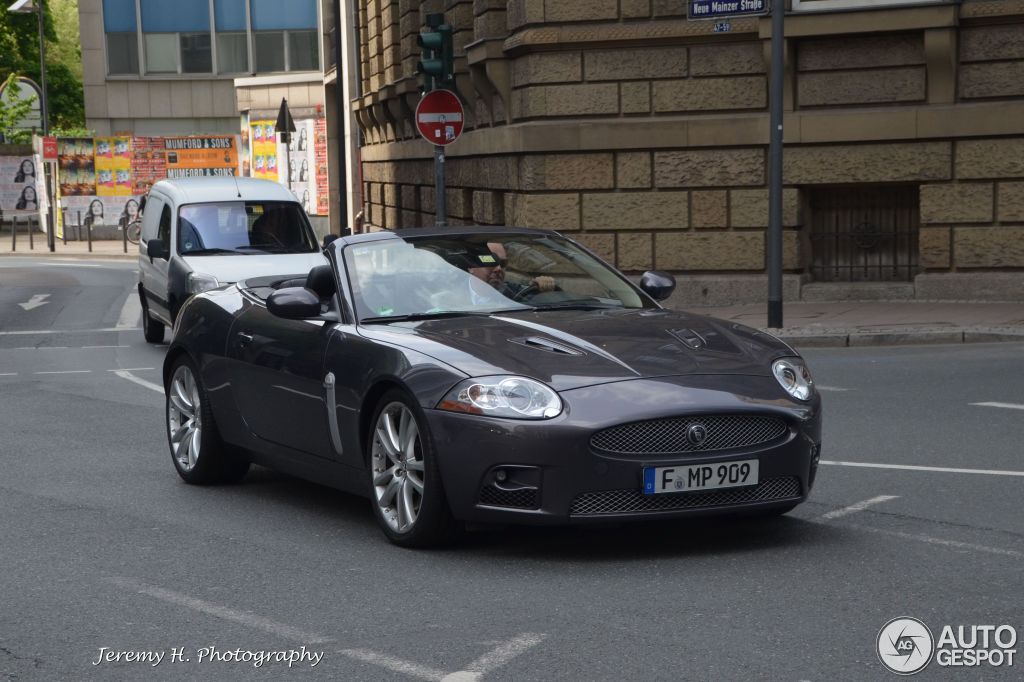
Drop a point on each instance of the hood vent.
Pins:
(546, 344)
(692, 339)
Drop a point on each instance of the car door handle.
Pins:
(244, 339)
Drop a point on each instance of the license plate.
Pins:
(689, 478)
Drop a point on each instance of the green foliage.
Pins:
(12, 111)
(19, 55)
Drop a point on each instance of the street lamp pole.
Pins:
(38, 7)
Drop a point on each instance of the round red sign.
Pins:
(440, 117)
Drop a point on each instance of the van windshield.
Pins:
(244, 227)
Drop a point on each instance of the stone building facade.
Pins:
(644, 135)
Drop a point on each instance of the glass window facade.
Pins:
(161, 52)
(179, 36)
(121, 25)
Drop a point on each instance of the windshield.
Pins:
(480, 274)
(244, 227)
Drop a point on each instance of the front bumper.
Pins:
(553, 476)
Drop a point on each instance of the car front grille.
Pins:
(670, 436)
(523, 498)
(633, 501)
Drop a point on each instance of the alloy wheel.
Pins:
(397, 461)
(185, 418)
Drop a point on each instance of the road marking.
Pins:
(956, 544)
(836, 389)
(42, 348)
(125, 374)
(37, 301)
(217, 611)
(858, 507)
(95, 347)
(394, 664)
(497, 657)
(65, 331)
(68, 371)
(910, 467)
(9, 374)
(1007, 406)
(131, 311)
(133, 369)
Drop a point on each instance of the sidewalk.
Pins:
(884, 323)
(107, 248)
(806, 323)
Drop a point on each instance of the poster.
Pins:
(113, 166)
(201, 157)
(148, 164)
(19, 191)
(297, 164)
(76, 167)
(245, 147)
(264, 149)
(323, 193)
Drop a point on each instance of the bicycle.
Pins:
(134, 230)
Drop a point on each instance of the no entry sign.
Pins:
(440, 117)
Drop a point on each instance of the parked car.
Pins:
(202, 233)
(488, 375)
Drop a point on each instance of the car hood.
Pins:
(571, 349)
(231, 269)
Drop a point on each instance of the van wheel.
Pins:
(152, 329)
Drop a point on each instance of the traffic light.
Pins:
(438, 61)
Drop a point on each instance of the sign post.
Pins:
(440, 119)
(717, 10)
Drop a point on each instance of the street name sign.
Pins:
(722, 9)
(440, 117)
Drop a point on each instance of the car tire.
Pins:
(199, 455)
(152, 329)
(407, 495)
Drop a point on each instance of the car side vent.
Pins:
(543, 343)
(691, 338)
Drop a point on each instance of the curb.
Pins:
(854, 339)
(68, 256)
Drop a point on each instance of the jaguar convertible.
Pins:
(488, 375)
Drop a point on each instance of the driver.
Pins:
(495, 275)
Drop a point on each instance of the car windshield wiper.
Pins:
(579, 306)
(436, 315)
(208, 252)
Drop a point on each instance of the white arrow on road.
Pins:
(35, 302)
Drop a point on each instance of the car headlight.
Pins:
(503, 396)
(198, 283)
(794, 376)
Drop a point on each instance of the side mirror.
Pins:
(294, 303)
(328, 238)
(155, 248)
(657, 284)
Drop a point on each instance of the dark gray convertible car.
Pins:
(488, 375)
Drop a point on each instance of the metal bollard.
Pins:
(64, 225)
(14, 233)
(124, 238)
(78, 228)
(88, 232)
(31, 240)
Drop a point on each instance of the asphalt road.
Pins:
(101, 545)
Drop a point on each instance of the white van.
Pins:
(202, 233)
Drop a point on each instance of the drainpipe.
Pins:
(339, 89)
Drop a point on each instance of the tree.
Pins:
(13, 110)
(19, 55)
